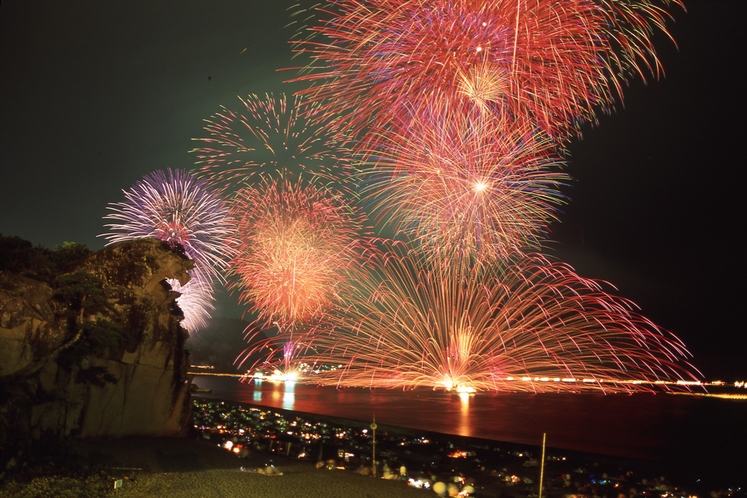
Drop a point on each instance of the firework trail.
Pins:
(295, 242)
(474, 188)
(552, 63)
(532, 325)
(177, 207)
(269, 135)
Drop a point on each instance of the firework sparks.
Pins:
(268, 134)
(551, 63)
(458, 107)
(455, 327)
(177, 207)
(281, 353)
(468, 187)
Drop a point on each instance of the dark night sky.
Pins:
(97, 94)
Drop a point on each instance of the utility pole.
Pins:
(373, 458)
(542, 465)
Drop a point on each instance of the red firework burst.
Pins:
(553, 63)
(462, 186)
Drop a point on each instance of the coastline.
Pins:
(199, 465)
(690, 437)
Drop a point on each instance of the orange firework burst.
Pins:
(466, 187)
(295, 243)
(553, 63)
(532, 325)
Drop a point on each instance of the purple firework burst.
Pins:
(177, 207)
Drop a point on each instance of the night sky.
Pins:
(97, 94)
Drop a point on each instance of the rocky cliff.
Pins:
(95, 352)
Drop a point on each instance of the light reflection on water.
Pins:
(281, 392)
(258, 391)
(464, 426)
(288, 396)
(662, 427)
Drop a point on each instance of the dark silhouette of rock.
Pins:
(95, 352)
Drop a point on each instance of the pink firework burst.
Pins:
(532, 325)
(554, 63)
(268, 134)
(468, 187)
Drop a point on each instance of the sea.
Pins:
(692, 435)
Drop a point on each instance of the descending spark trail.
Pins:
(458, 327)
(196, 300)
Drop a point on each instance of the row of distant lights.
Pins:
(278, 376)
(740, 384)
(601, 381)
(467, 389)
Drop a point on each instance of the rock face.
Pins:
(29, 331)
(97, 353)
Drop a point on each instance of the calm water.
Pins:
(692, 433)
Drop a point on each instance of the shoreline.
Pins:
(362, 424)
(491, 464)
(692, 436)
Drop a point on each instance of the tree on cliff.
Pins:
(20, 256)
(91, 333)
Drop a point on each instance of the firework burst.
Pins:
(530, 326)
(551, 63)
(466, 187)
(177, 207)
(268, 134)
(295, 242)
